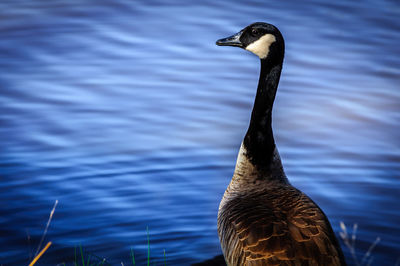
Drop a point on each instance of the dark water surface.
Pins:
(129, 115)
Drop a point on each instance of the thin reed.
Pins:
(39, 254)
(350, 243)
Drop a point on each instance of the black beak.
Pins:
(233, 40)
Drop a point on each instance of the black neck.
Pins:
(259, 140)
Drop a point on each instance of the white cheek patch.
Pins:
(261, 46)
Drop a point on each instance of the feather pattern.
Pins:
(288, 228)
(266, 221)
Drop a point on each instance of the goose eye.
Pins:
(254, 32)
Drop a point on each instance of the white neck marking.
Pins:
(261, 46)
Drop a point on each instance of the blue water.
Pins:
(130, 115)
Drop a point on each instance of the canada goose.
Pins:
(262, 218)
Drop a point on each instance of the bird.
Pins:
(262, 218)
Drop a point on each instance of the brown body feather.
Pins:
(287, 229)
(266, 221)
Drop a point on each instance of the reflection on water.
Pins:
(130, 116)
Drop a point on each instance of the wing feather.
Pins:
(292, 231)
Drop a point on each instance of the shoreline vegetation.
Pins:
(85, 259)
(88, 259)
(350, 243)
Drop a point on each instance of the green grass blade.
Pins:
(165, 259)
(87, 263)
(83, 259)
(133, 257)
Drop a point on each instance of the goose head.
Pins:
(262, 39)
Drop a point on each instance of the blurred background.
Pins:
(130, 115)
